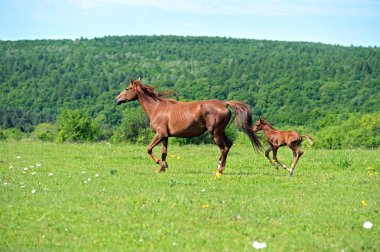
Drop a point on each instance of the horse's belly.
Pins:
(187, 131)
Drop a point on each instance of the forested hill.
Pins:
(292, 83)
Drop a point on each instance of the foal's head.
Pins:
(259, 125)
(129, 93)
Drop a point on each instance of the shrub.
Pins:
(44, 132)
(355, 131)
(76, 125)
(12, 134)
(133, 123)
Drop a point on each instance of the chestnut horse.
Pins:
(170, 118)
(277, 138)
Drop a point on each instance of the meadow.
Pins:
(104, 197)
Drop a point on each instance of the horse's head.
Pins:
(258, 125)
(129, 93)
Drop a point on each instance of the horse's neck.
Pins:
(148, 104)
(268, 129)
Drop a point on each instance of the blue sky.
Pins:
(343, 22)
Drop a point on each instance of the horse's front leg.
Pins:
(156, 140)
(164, 164)
(272, 162)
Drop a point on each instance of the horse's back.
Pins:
(188, 119)
(293, 137)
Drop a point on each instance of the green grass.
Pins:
(129, 207)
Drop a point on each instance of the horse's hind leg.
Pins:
(297, 153)
(224, 147)
(275, 148)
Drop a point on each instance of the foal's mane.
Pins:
(266, 123)
(151, 92)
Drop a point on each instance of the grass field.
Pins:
(102, 197)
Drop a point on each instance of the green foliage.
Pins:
(144, 136)
(289, 83)
(133, 127)
(12, 134)
(76, 125)
(355, 131)
(44, 132)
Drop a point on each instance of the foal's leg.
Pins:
(270, 148)
(224, 148)
(275, 148)
(156, 140)
(297, 153)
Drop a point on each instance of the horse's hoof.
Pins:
(164, 165)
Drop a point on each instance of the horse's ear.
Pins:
(261, 118)
(131, 80)
(139, 79)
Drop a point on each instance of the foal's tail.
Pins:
(308, 138)
(243, 119)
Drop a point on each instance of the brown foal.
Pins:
(277, 138)
(170, 118)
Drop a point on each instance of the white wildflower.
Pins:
(259, 245)
(33, 191)
(18, 157)
(34, 173)
(367, 225)
(97, 175)
(50, 174)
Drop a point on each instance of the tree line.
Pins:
(312, 86)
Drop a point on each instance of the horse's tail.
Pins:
(308, 138)
(243, 119)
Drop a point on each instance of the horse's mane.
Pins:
(151, 92)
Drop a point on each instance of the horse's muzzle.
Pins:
(117, 102)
